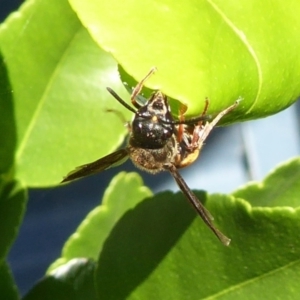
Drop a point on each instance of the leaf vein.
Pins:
(251, 281)
(245, 41)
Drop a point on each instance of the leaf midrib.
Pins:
(43, 98)
(241, 35)
(251, 281)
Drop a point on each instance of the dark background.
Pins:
(231, 157)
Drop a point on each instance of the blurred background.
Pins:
(231, 157)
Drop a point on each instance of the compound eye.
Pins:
(158, 105)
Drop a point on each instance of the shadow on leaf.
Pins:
(140, 241)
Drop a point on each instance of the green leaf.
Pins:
(8, 289)
(216, 49)
(280, 188)
(58, 76)
(162, 250)
(71, 281)
(13, 200)
(145, 236)
(124, 193)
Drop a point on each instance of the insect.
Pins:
(157, 142)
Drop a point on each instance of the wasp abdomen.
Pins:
(153, 160)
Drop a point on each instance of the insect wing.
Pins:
(99, 165)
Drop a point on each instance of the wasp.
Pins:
(159, 142)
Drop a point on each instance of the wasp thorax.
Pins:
(149, 127)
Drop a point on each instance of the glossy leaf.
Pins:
(124, 193)
(280, 188)
(216, 49)
(74, 280)
(56, 86)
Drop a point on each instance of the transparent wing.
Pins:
(99, 165)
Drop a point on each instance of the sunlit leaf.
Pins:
(280, 188)
(216, 49)
(58, 77)
(73, 280)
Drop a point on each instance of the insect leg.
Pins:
(201, 132)
(121, 117)
(201, 210)
(139, 87)
(180, 129)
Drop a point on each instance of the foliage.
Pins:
(56, 60)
